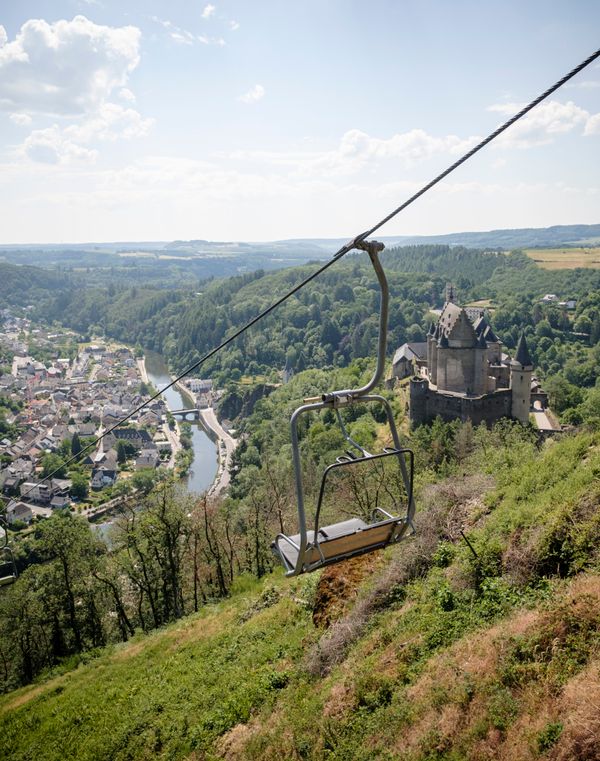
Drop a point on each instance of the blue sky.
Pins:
(260, 120)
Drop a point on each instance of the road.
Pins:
(226, 448)
(543, 422)
(142, 369)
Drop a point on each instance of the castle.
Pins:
(466, 375)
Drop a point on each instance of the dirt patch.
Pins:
(580, 705)
(339, 585)
(232, 744)
(340, 702)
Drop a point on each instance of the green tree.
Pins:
(79, 486)
(68, 545)
(75, 444)
(543, 328)
(121, 452)
(563, 394)
(53, 464)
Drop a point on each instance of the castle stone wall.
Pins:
(426, 404)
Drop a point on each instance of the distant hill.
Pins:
(527, 237)
(297, 250)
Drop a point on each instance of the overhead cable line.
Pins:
(346, 248)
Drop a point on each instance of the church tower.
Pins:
(521, 368)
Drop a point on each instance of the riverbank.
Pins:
(172, 435)
(226, 447)
(204, 469)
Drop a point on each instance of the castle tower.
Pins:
(480, 366)
(521, 368)
(418, 401)
(450, 297)
(432, 353)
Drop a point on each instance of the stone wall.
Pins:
(426, 404)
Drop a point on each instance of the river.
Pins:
(204, 467)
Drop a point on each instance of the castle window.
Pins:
(521, 377)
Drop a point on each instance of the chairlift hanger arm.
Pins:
(307, 547)
(337, 399)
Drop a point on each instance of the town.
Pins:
(57, 396)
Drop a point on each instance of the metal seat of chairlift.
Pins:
(339, 541)
(9, 579)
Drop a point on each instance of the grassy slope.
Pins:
(494, 658)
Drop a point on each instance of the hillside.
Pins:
(424, 652)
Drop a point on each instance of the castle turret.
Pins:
(432, 352)
(521, 368)
(480, 364)
(418, 401)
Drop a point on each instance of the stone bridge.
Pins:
(186, 414)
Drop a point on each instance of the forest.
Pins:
(334, 319)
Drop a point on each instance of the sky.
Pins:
(139, 120)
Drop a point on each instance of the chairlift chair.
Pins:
(8, 567)
(318, 546)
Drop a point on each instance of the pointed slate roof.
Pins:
(481, 342)
(462, 328)
(522, 356)
(443, 342)
(490, 335)
(480, 325)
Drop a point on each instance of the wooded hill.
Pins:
(334, 319)
(427, 651)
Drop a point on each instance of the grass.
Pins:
(430, 653)
(483, 303)
(165, 695)
(565, 258)
(248, 380)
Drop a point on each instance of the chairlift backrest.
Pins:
(314, 548)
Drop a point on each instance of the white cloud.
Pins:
(205, 40)
(78, 202)
(126, 94)
(70, 69)
(358, 151)
(183, 37)
(65, 68)
(253, 95)
(111, 122)
(209, 11)
(50, 146)
(22, 120)
(3, 36)
(586, 84)
(592, 126)
(176, 33)
(234, 25)
(67, 145)
(541, 124)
